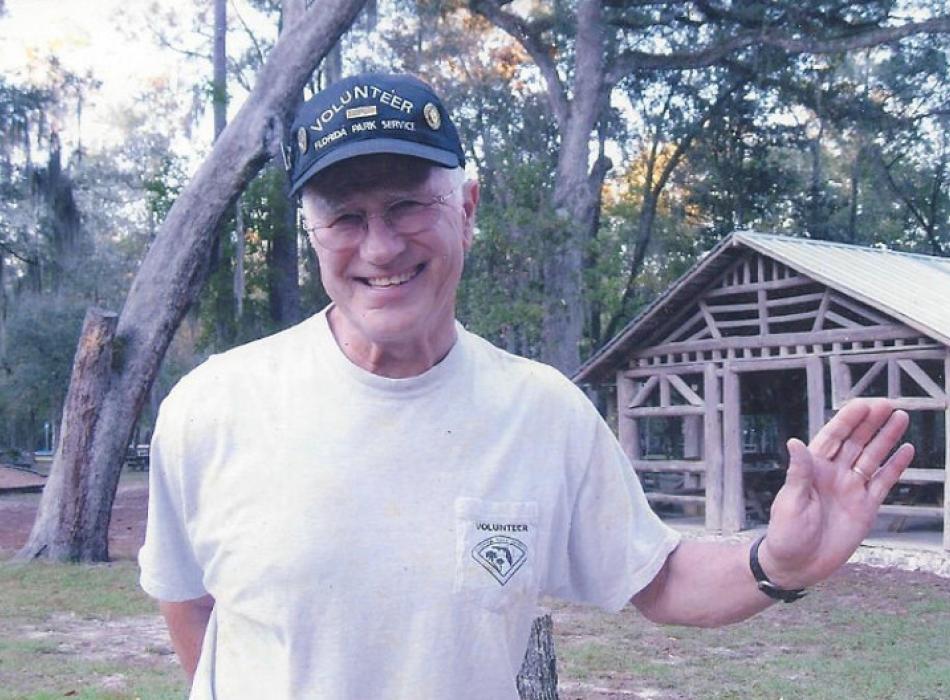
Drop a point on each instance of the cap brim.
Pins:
(446, 159)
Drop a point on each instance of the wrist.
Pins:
(778, 588)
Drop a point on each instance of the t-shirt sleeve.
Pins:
(169, 568)
(615, 544)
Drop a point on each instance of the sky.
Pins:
(95, 35)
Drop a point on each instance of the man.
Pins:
(371, 503)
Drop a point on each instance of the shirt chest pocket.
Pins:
(496, 552)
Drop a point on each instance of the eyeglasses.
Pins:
(406, 217)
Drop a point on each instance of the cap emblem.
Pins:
(433, 118)
(302, 139)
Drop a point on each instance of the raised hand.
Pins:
(832, 492)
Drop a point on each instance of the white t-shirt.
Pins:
(367, 537)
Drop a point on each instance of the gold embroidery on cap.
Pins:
(433, 118)
(302, 139)
(360, 112)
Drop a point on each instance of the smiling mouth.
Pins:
(392, 281)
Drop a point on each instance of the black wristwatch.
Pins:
(763, 582)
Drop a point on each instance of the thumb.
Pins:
(801, 469)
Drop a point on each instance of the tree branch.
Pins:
(630, 61)
(541, 53)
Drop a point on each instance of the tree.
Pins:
(167, 282)
(583, 50)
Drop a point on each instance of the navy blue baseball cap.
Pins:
(368, 114)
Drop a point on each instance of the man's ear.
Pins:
(470, 194)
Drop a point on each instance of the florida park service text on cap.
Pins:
(367, 114)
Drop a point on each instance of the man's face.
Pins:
(391, 288)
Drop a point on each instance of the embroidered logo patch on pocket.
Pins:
(501, 556)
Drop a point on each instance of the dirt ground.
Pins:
(126, 531)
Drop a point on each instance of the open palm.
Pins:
(833, 490)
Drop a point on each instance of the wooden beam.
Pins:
(777, 283)
(710, 321)
(669, 465)
(795, 300)
(688, 368)
(822, 310)
(835, 335)
(656, 496)
(626, 426)
(815, 381)
(664, 391)
(893, 379)
(765, 364)
(841, 320)
(905, 353)
(922, 476)
(763, 312)
(684, 389)
(859, 386)
(643, 392)
(918, 404)
(712, 448)
(664, 411)
(867, 313)
(680, 326)
(922, 378)
(788, 318)
(840, 381)
(912, 511)
(733, 504)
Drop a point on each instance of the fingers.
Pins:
(876, 451)
(801, 471)
(870, 432)
(888, 475)
(833, 433)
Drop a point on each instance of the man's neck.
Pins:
(396, 359)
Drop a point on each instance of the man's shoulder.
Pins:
(522, 374)
(261, 360)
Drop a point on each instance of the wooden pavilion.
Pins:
(763, 339)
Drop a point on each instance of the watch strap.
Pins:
(763, 582)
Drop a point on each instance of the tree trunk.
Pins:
(73, 519)
(283, 276)
(171, 276)
(537, 679)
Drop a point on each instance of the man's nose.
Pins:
(381, 243)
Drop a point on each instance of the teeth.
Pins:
(390, 281)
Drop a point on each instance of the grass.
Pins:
(89, 632)
(831, 645)
(71, 631)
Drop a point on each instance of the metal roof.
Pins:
(914, 289)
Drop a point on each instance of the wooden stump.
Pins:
(537, 679)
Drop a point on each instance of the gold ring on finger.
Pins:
(861, 474)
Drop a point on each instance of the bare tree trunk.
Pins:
(537, 679)
(76, 529)
(171, 276)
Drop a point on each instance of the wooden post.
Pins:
(815, 381)
(840, 379)
(733, 505)
(712, 448)
(627, 429)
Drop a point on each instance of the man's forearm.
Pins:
(187, 622)
(703, 584)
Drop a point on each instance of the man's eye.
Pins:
(347, 221)
(405, 206)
